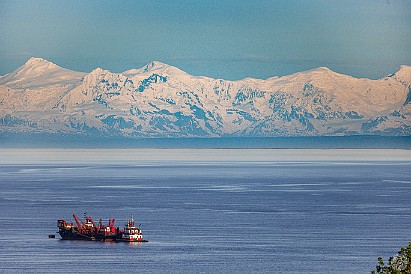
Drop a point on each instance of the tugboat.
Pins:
(132, 233)
(89, 231)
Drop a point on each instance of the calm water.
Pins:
(284, 211)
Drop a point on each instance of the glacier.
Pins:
(159, 100)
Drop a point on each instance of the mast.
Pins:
(111, 222)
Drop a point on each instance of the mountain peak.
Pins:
(155, 67)
(403, 74)
(39, 72)
(319, 72)
(99, 71)
(95, 76)
(35, 59)
(152, 66)
(39, 64)
(322, 69)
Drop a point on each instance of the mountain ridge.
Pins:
(159, 100)
(403, 71)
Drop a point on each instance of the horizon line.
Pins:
(245, 78)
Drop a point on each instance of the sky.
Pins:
(229, 39)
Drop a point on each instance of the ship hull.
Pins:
(132, 241)
(74, 235)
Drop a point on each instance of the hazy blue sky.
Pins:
(228, 39)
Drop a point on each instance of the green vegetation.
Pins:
(396, 265)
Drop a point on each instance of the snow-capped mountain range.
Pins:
(159, 100)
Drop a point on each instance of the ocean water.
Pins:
(216, 210)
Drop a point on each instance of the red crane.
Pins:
(79, 225)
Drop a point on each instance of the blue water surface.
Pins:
(328, 212)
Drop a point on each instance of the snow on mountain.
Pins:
(155, 67)
(37, 72)
(403, 75)
(365, 95)
(160, 100)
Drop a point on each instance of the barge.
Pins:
(90, 231)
